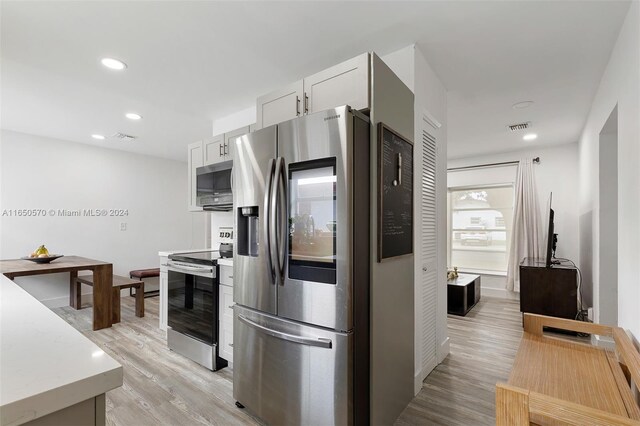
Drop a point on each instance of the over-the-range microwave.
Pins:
(214, 185)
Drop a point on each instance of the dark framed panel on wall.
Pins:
(395, 194)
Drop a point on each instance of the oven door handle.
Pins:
(309, 341)
(174, 267)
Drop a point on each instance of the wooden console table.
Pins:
(462, 294)
(556, 381)
(102, 280)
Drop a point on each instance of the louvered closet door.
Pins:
(428, 253)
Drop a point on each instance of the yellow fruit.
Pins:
(42, 250)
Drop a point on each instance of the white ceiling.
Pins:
(193, 62)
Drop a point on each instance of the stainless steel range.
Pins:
(193, 307)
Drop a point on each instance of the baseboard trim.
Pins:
(501, 293)
(421, 375)
(443, 350)
(59, 302)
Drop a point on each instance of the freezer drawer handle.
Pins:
(320, 342)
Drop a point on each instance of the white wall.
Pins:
(44, 173)
(413, 69)
(557, 173)
(620, 85)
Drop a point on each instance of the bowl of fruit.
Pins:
(41, 255)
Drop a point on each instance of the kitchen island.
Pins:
(49, 372)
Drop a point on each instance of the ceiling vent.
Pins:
(123, 136)
(519, 126)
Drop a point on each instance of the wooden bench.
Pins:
(141, 274)
(119, 283)
(556, 381)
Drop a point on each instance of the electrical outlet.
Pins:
(123, 226)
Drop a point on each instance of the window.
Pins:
(480, 227)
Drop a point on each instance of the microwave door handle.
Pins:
(282, 198)
(266, 216)
(273, 221)
(309, 341)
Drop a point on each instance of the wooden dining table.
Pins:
(102, 280)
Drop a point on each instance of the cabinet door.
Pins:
(229, 141)
(213, 150)
(344, 84)
(164, 287)
(279, 106)
(195, 160)
(226, 323)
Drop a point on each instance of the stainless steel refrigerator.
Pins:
(301, 270)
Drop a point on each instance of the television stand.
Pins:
(549, 291)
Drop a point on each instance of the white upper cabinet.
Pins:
(195, 160)
(347, 83)
(213, 149)
(344, 84)
(230, 141)
(281, 105)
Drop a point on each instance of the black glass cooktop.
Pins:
(200, 257)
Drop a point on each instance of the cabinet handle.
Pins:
(297, 105)
(220, 150)
(231, 344)
(226, 149)
(306, 103)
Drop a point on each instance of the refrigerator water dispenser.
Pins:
(248, 231)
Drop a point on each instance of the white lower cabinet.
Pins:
(226, 323)
(164, 292)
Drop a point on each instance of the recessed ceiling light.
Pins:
(133, 116)
(522, 105)
(99, 137)
(114, 64)
(530, 137)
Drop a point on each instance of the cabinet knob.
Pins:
(424, 268)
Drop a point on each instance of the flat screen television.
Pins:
(550, 235)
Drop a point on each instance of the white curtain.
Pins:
(527, 234)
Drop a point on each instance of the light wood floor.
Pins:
(164, 388)
(461, 390)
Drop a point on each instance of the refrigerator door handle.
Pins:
(267, 220)
(309, 341)
(281, 175)
(273, 218)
